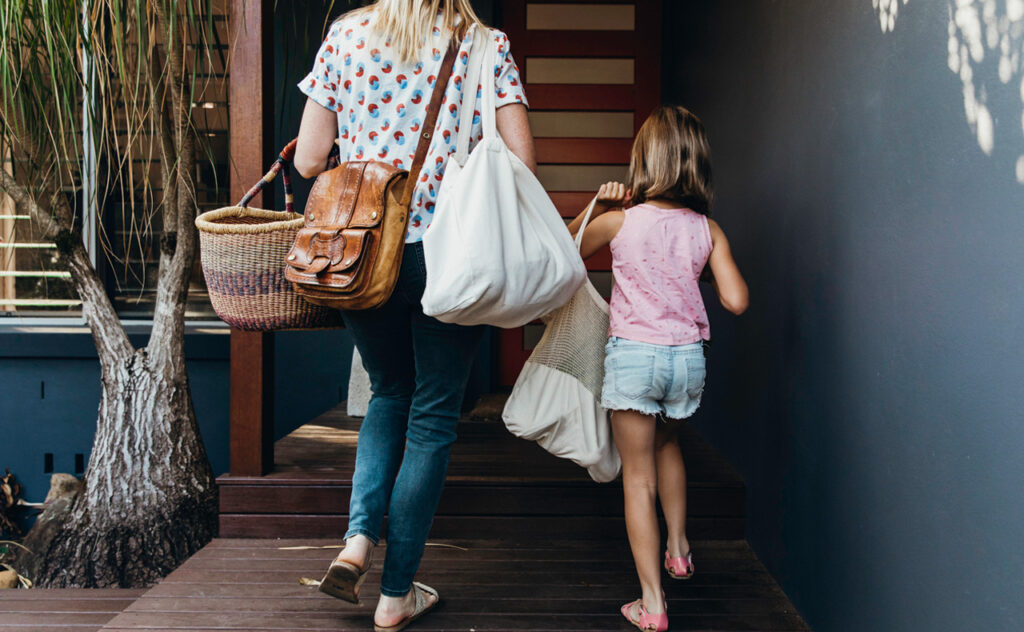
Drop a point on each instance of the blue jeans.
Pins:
(418, 369)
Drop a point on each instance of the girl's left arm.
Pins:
(600, 232)
(604, 224)
(317, 132)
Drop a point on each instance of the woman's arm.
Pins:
(727, 280)
(317, 132)
(514, 126)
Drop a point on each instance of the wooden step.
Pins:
(496, 484)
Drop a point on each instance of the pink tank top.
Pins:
(657, 258)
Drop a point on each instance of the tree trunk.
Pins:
(150, 501)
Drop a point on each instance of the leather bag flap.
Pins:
(317, 251)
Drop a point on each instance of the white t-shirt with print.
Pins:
(381, 102)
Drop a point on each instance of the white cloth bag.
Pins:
(557, 399)
(497, 252)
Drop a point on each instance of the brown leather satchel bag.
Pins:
(348, 253)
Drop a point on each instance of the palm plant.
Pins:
(91, 87)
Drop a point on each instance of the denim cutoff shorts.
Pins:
(653, 379)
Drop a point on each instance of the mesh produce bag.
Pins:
(556, 400)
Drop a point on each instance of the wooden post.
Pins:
(251, 114)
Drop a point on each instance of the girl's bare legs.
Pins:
(672, 485)
(635, 439)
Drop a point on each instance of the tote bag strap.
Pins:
(440, 84)
(487, 109)
(583, 226)
(481, 39)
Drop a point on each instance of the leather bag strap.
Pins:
(440, 84)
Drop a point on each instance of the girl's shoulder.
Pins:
(610, 223)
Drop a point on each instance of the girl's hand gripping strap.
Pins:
(440, 84)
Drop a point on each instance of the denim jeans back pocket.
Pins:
(696, 372)
(633, 371)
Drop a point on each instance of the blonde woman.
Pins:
(369, 90)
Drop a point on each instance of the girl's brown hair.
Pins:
(671, 160)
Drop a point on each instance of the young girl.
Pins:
(654, 365)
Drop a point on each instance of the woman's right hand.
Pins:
(609, 196)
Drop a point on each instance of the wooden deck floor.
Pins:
(486, 585)
(75, 609)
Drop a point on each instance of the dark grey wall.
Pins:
(870, 396)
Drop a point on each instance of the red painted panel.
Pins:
(583, 151)
(581, 97)
(576, 44)
(570, 204)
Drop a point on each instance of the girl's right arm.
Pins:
(727, 280)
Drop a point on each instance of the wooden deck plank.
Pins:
(235, 584)
(96, 594)
(496, 544)
(72, 620)
(297, 592)
(502, 500)
(584, 527)
(65, 605)
(73, 609)
(444, 619)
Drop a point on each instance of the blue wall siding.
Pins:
(311, 376)
(60, 417)
(870, 395)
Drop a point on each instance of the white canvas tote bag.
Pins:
(557, 399)
(497, 251)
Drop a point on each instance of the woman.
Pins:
(369, 89)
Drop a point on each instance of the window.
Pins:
(124, 245)
(31, 281)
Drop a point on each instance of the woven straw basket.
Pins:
(242, 251)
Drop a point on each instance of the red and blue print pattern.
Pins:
(381, 102)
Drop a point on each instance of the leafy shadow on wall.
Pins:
(986, 48)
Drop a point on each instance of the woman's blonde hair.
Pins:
(671, 160)
(407, 23)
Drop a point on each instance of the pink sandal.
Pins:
(647, 622)
(679, 567)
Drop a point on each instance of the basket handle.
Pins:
(283, 163)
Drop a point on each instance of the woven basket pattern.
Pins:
(242, 251)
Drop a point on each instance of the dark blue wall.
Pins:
(60, 417)
(870, 397)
